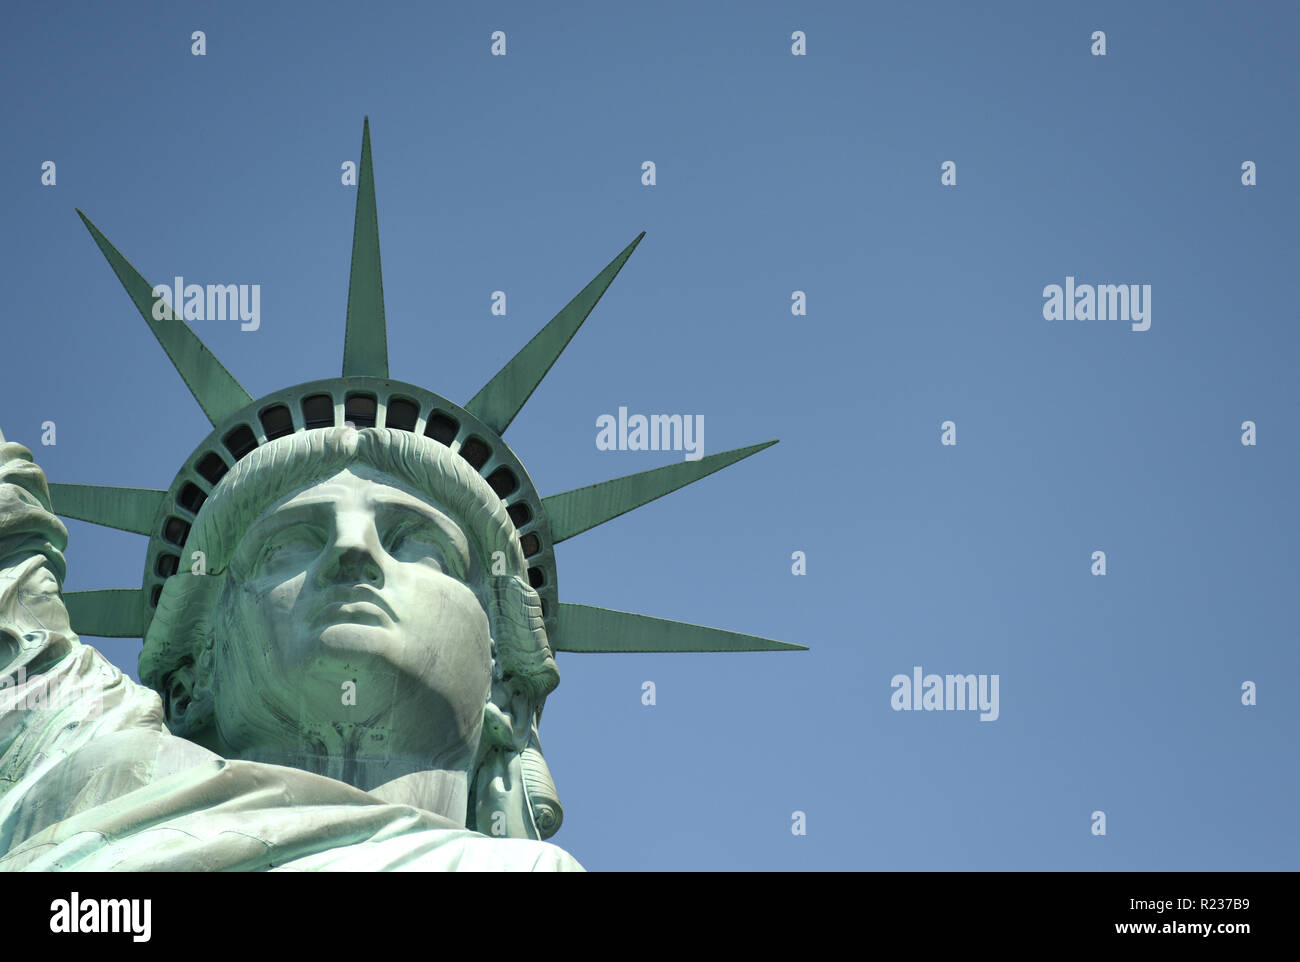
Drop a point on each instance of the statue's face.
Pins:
(354, 630)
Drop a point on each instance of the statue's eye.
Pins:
(412, 533)
(293, 540)
(418, 540)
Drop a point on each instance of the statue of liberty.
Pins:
(350, 621)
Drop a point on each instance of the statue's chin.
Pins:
(378, 659)
(349, 651)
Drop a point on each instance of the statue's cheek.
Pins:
(272, 590)
(284, 594)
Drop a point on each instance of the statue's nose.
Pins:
(357, 564)
(354, 555)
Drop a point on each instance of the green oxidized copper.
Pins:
(349, 608)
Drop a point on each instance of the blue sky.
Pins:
(775, 173)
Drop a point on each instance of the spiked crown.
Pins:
(366, 397)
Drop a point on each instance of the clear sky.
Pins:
(775, 173)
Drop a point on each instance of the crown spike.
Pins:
(106, 613)
(216, 390)
(129, 509)
(365, 345)
(509, 390)
(574, 512)
(584, 628)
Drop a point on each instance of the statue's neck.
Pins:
(441, 791)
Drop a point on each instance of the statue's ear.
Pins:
(178, 691)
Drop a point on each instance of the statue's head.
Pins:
(359, 608)
(359, 602)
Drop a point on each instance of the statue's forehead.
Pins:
(355, 485)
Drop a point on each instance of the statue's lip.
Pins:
(362, 595)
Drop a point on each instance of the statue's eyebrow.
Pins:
(404, 504)
(383, 502)
(282, 517)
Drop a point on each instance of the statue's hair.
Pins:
(179, 644)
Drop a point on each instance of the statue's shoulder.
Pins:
(474, 852)
(438, 850)
(523, 855)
